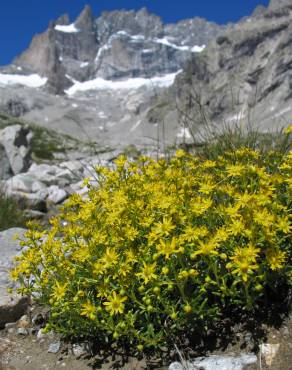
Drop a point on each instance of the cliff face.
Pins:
(117, 79)
(246, 71)
(118, 44)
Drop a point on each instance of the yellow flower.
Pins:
(167, 248)
(263, 217)
(234, 170)
(283, 225)
(109, 258)
(59, 291)
(206, 249)
(244, 261)
(200, 205)
(288, 129)
(115, 304)
(275, 258)
(192, 233)
(88, 310)
(236, 227)
(164, 228)
(207, 187)
(148, 272)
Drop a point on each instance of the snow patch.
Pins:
(102, 115)
(132, 83)
(197, 49)
(33, 80)
(100, 51)
(137, 37)
(193, 49)
(83, 64)
(67, 29)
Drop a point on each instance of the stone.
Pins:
(217, 362)
(23, 322)
(54, 347)
(16, 141)
(10, 325)
(56, 195)
(12, 306)
(5, 169)
(79, 350)
(22, 331)
(38, 319)
(268, 351)
(41, 335)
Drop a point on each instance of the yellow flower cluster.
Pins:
(159, 245)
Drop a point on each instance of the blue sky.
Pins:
(21, 19)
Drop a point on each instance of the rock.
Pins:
(23, 322)
(10, 325)
(79, 350)
(56, 195)
(41, 335)
(22, 331)
(255, 57)
(216, 362)
(117, 44)
(16, 139)
(12, 306)
(5, 169)
(38, 319)
(15, 107)
(54, 347)
(268, 351)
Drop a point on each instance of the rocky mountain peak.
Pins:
(279, 4)
(118, 44)
(63, 20)
(86, 19)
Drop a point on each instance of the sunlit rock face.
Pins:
(118, 44)
(123, 78)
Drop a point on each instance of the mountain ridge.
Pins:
(126, 89)
(115, 45)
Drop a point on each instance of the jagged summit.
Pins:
(114, 72)
(118, 44)
(86, 19)
(279, 4)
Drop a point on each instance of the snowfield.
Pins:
(132, 83)
(33, 80)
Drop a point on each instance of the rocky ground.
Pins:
(25, 348)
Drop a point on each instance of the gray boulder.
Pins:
(217, 362)
(5, 169)
(12, 306)
(16, 139)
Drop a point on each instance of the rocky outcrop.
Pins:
(245, 74)
(12, 306)
(5, 169)
(15, 140)
(118, 44)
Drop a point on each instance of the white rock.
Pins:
(15, 139)
(268, 352)
(216, 362)
(56, 195)
(12, 306)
